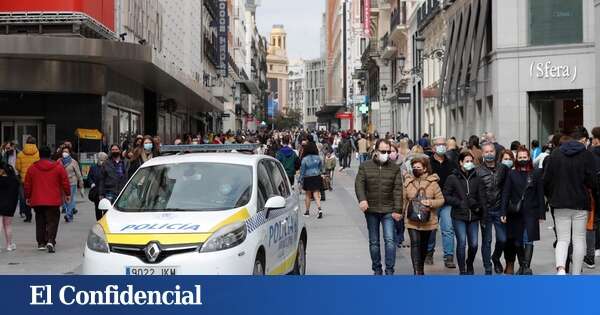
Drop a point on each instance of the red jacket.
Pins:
(46, 183)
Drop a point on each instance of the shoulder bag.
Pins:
(416, 211)
(516, 208)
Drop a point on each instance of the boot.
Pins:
(527, 255)
(521, 259)
(429, 258)
(510, 268)
(449, 262)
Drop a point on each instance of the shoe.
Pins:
(75, 211)
(449, 262)
(11, 247)
(50, 248)
(389, 272)
(498, 268)
(378, 273)
(527, 255)
(429, 258)
(320, 216)
(597, 253)
(41, 247)
(589, 262)
(561, 272)
(307, 213)
(510, 268)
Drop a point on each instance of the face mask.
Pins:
(417, 173)
(394, 156)
(508, 163)
(440, 149)
(489, 158)
(523, 162)
(65, 155)
(147, 146)
(115, 154)
(468, 166)
(383, 157)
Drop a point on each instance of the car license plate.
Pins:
(150, 271)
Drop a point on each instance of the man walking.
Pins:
(46, 185)
(25, 159)
(289, 159)
(363, 149)
(113, 175)
(378, 189)
(443, 167)
(493, 175)
(569, 174)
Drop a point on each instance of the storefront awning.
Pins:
(88, 134)
(58, 64)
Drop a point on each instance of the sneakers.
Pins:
(561, 272)
(449, 262)
(307, 213)
(429, 258)
(589, 262)
(320, 216)
(41, 247)
(11, 247)
(50, 248)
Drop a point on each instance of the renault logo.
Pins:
(152, 251)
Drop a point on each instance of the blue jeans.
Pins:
(23, 207)
(465, 231)
(363, 157)
(492, 221)
(69, 206)
(399, 231)
(374, 220)
(445, 220)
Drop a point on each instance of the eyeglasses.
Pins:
(388, 152)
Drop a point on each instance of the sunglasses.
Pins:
(388, 152)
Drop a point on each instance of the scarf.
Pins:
(66, 161)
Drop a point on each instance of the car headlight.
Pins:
(96, 240)
(227, 237)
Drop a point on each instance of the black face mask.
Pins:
(417, 173)
(115, 154)
(523, 163)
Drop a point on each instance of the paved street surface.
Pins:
(338, 244)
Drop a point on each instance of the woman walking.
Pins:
(310, 177)
(94, 178)
(523, 206)
(422, 197)
(141, 154)
(9, 196)
(75, 181)
(465, 192)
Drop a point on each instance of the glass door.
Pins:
(19, 131)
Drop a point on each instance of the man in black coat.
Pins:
(113, 175)
(569, 176)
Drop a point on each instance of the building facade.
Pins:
(277, 71)
(314, 92)
(296, 85)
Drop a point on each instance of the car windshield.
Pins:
(187, 187)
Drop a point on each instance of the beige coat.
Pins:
(429, 183)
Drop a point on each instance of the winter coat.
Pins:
(466, 194)
(533, 207)
(46, 183)
(569, 173)
(74, 173)
(330, 163)
(9, 193)
(433, 192)
(345, 147)
(26, 158)
(363, 146)
(380, 185)
(110, 181)
(493, 180)
(289, 160)
(444, 169)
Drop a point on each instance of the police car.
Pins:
(201, 213)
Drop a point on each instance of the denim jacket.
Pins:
(311, 166)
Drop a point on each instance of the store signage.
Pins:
(548, 70)
(345, 115)
(404, 98)
(363, 109)
(367, 18)
(223, 29)
(359, 99)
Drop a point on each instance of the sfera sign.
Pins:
(548, 70)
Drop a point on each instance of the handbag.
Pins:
(416, 211)
(516, 208)
(93, 194)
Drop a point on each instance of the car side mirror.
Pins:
(274, 203)
(104, 205)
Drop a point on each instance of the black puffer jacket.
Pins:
(493, 181)
(569, 172)
(466, 194)
(380, 185)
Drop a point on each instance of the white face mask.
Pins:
(383, 157)
(65, 155)
(468, 166)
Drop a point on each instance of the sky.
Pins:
(301, 20)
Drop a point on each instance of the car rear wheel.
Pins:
(300, 263)
(259, 269)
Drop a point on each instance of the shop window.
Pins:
(555, 22)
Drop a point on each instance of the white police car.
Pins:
(201, 213)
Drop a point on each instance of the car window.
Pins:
(265, 187)
(279, 178)
(187, 187)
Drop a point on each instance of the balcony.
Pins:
(211, 50)
(398, 25)
(427, 11)
(389, 50)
